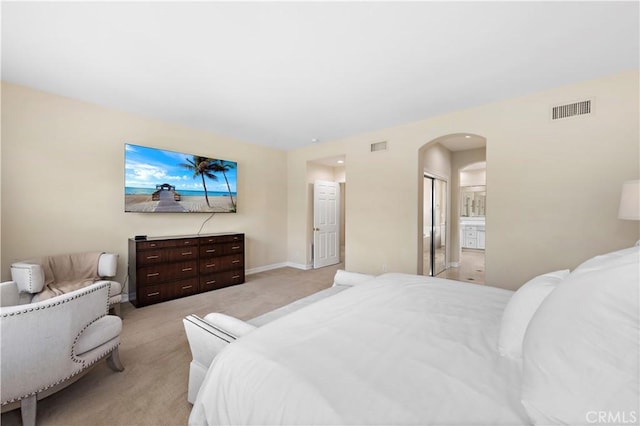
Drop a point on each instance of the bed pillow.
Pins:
(344, 278)
(521, 307)
(608, 260)
(581, 349)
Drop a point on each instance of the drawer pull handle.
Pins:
(186, 243)
(155, 274)
(187, 253)
(211, 265)
(235, 261)
(211, 251)
(186, 269)
(211, 282)
(186, 287)
(157, 293)
(235, 247)
(152, 245)
(153, 257)
(235, 276)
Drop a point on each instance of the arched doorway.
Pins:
(443, 158)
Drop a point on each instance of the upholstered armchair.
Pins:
(51, 276)
(47, 345)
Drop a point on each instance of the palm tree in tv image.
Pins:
(203, 167)
(221, 166)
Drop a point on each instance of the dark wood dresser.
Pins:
(165, 268)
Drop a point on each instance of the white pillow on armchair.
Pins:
(29, 277)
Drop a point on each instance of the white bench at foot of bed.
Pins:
(209, 335)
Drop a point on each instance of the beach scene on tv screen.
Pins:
(160, 181)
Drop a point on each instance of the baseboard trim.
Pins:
(299, 265)
(265, 268)
(278, 265)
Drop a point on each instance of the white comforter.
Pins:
(400, 349)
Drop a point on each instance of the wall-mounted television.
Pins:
(161, 181)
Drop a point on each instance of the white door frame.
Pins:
(326, 223)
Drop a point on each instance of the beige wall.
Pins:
(62, 182)
(553, 187)
(63, 179)
(437, 161)
(473, 178)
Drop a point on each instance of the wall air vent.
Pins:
(571, 110)
(379, 146)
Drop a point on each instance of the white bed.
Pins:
(411, 350)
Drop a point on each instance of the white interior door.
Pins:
(326, 223)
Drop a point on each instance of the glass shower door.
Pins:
(435, 226)
(440, 226)
(427, 226)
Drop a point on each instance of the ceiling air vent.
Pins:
(379, 146)
(571, 110)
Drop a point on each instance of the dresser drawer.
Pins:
(161, 292)
(186, 287)
(209, 266)
(154, 274)
(210, 282)
(184, 242)
(221, 279)
(211, 250)
(153, 294)
(182, 253)
(216, 239)
(232, 262)
(224, 263)
(233, 277)
(233, 248)
(150, 257)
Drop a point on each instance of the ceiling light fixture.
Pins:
(314, 140)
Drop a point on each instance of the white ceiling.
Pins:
(284, 73)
